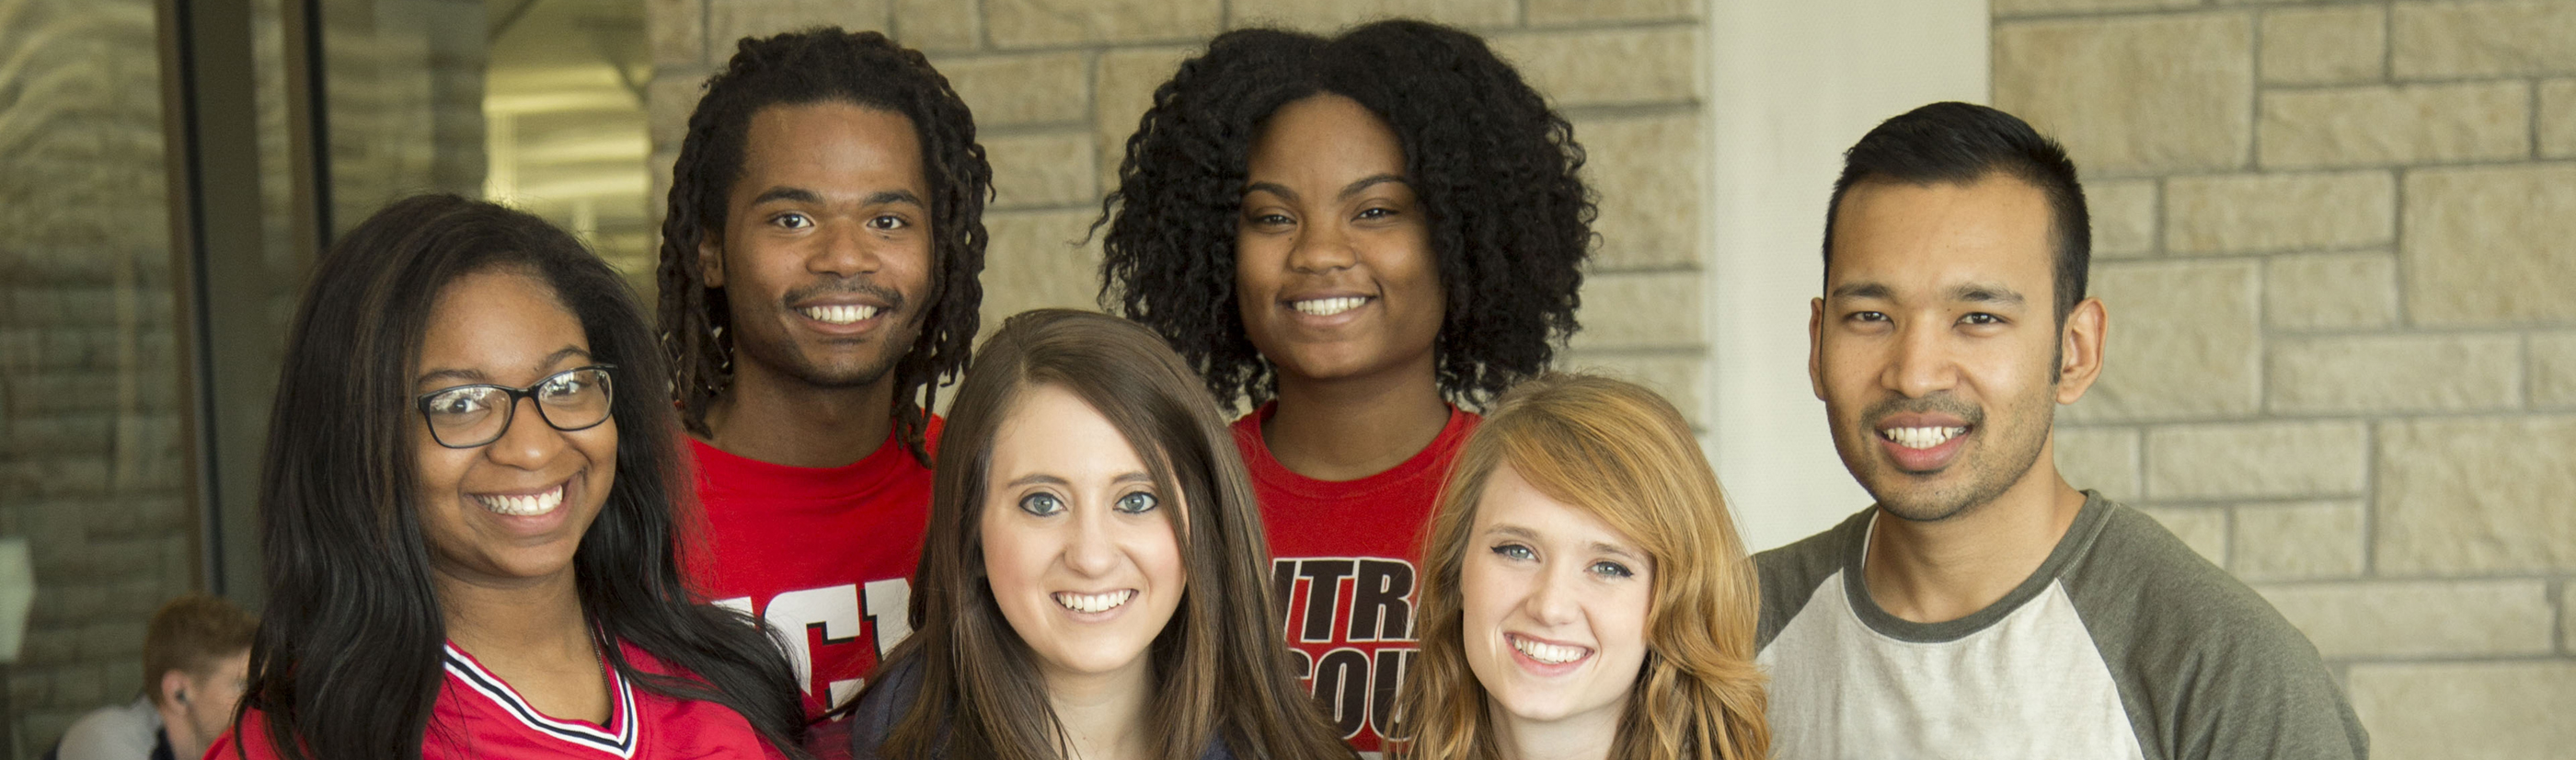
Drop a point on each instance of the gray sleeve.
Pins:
(115, 733)
(2205, 667)
(1789, 574)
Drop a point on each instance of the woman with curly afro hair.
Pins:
(1354, 235)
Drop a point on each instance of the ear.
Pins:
(1816, 346)
(174, 687)
(2079, 346)
(710, 260)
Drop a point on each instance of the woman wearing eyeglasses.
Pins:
(469, 505)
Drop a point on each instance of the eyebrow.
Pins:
(1864, 290)
(802, 195)
(1347, 191)
(475, 376)
(1040, 478)
(1600, 547)
(1971, 292)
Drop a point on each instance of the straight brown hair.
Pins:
(1220, 667)
(1622, 454)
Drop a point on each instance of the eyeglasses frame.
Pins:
(510, 411)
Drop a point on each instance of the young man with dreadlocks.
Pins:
(818, 277)
(1356, 234)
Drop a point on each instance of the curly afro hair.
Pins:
(1495, 169)
(825, 65)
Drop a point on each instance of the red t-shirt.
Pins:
(477, 715)
(1343, 560)
(826, 554)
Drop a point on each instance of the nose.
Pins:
(1321, 248)
(844, 249)
(1091, 551)
(529, 442)
(1556, 600)
(1922, 364)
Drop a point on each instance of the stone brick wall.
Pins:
(2337, 242)
(1058, 85)
(90, 467)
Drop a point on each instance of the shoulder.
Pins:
(1790, 574)
(122, 731)
(882, 705)
(246, 739)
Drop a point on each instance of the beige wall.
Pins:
(2338, 244)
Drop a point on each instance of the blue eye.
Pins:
(1609, 569)
(1515, 551)
(1137, 503)
(1041, 504)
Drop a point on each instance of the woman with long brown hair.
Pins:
(1588, 597)
(1094, 583)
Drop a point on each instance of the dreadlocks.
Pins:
(824, 65)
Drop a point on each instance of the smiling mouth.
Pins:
(839, 315)
(523, 505)
(1093, 603)
(1921, 437)
(1548, 654)
(1325, 307)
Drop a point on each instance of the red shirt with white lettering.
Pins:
(826, 554)
(1343, 563)
(477, 715)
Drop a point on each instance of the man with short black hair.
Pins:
(196, 659)
(1984, 607)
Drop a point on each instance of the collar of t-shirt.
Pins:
(721, 469)
(1431, 461)
(2070, 549)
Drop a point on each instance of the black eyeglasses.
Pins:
(467, 416)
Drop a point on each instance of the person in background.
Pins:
(196, 655)
(1092, 587)
(818, 275)
(471, 511)
(1356, 235)
(1984, 607)
(1587, 597)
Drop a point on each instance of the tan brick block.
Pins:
(1649, 174)
(938, 24)
(2279, 212)
(1037, 259)
(732, 20)
(2133, 94)
(2004, 8)
(1008, 90)
(2195, 351)
(2330, 291)
(2482, 39)
(2567, 618)
(2124, 215)
(2203, 529)
(1678, 377)
(2419, 619)
(2490, 245)
(2553, 369)
(1632, 310)
(1609, 67)
(2476, 495)
(2102, 459)
(2466, 709)
(1551, 12)
(1122, 89)
(2304, 540)
(2396, 373)
(1034, 23)
(1329, 16)
(2324, 45)
(676, 30)
(2402, 124)
(2256, 460)
(668, 100)
(1043, 170)
(2558, 118)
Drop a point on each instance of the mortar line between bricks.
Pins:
(2314, 87)
(2370, 500)
(2388, 42)
(2534, 112)
(2124, 14)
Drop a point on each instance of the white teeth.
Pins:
(1325, 307)
(523, 506)
(1921, 437)
(839, 315)
(1093, 602)
(1552, 654)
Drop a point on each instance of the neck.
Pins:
(774, 417)
(537, 621)
(1103, 714)
(181, 730)
(1351, 428)
(1931, 572)
(1585, 736)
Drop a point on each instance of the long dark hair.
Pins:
(1497, 172)
(346, 662)
(822, 65)
(1220, 665)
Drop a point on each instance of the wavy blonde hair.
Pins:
(1623, 455)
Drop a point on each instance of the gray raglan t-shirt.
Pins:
(2124, 644)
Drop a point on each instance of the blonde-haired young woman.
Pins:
(1588, 597)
